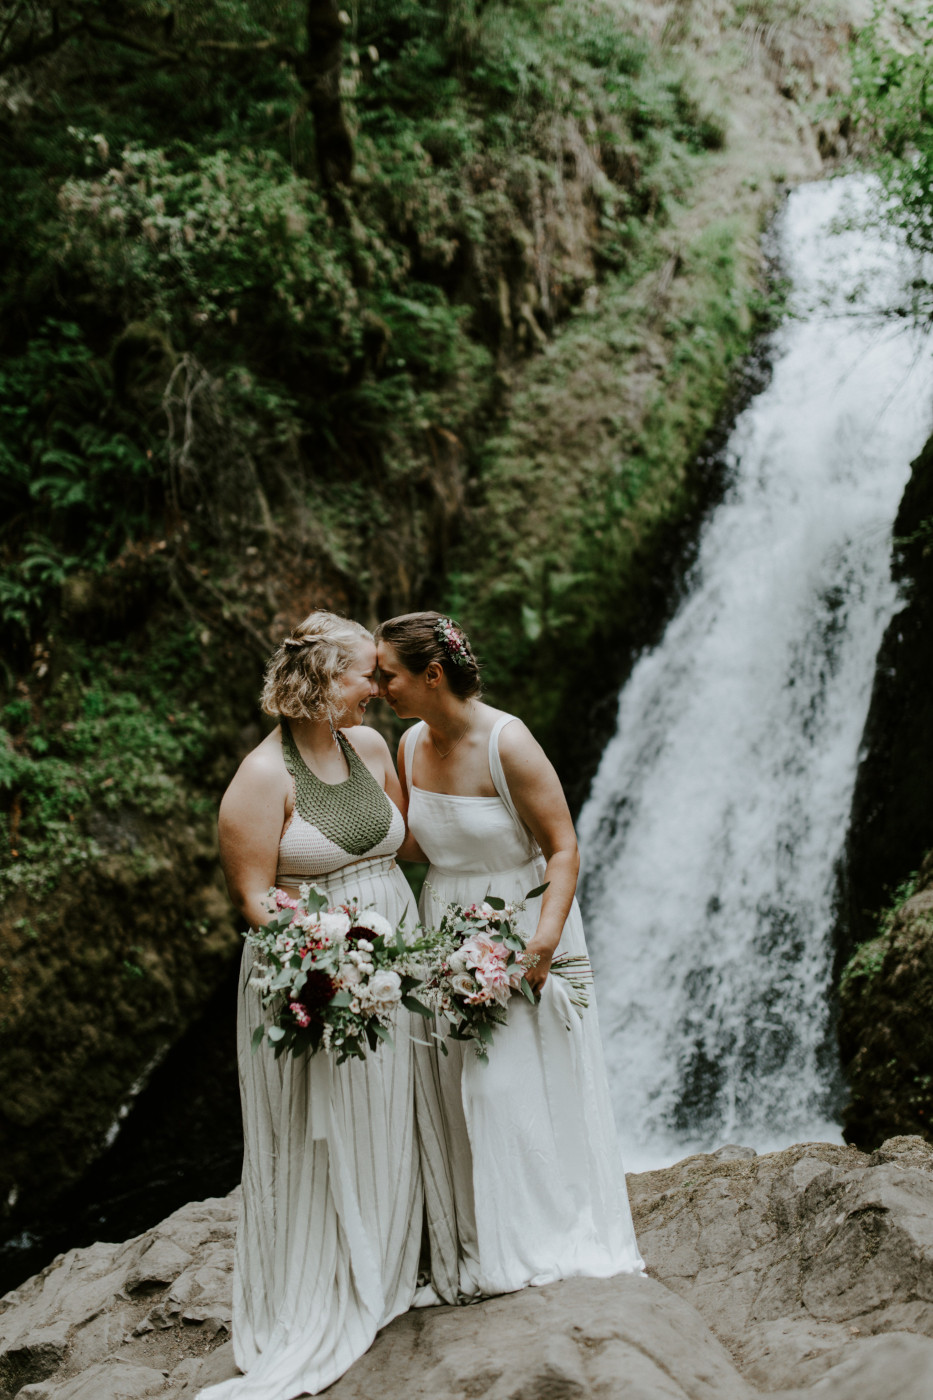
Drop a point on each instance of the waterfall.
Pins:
(716, 819)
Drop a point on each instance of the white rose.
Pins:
(348, 976)
(368, 918)
(462, 984)
(457, 961)
(335, 925)
(385, 989)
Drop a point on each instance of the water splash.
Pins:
(711, 835)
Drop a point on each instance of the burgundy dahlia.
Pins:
(317, 990)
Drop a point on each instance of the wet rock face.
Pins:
(892, 822)
(886, 991)
(807, 1272)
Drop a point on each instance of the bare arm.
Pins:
(540, 800)
(252, 815)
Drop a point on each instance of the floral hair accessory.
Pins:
(451, 640)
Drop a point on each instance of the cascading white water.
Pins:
(718, 813)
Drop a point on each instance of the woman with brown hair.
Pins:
(329, 1237)
(522, 1174)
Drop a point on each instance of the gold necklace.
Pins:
(455, 742)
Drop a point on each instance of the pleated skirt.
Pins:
(523, 1175)
(328, 1242)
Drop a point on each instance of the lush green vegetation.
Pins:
(890, 109)
(205, 347)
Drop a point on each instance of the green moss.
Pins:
(586, 475)
(886, 1015)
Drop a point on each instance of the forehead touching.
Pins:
(386, 657)
(364, 654)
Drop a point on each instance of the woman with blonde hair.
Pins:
(329, 1237)
(523, 1177)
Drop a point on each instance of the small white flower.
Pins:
(364, 945)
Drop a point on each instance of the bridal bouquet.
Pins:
(332, 977)
(478, 960)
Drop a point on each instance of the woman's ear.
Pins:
(433, 674)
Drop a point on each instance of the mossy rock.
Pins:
(886, 1025)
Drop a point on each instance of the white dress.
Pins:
(522, 1172)
(329, 1237)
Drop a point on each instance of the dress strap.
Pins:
(500, 783)
(408, 748)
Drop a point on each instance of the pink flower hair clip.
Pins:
(451, 640)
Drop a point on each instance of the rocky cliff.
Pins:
(807, 1272)
(886, 990)
(892, 821)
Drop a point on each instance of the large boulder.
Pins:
(794, 1257)
(807, 1272)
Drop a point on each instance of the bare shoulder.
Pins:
(263, 767)
(368, 742)
(518, 747)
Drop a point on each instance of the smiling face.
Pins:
(356, 686)
(400, 689)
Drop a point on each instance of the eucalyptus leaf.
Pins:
(494, 901)
(533, 894)
(276, 1033)
(413, 1004)
(526, 991)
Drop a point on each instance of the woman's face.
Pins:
(398, 687)
(357, 686)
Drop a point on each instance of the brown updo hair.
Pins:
(414, 637)
(302, 673)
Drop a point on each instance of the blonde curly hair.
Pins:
(302, 673)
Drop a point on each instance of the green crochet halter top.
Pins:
(355, 814)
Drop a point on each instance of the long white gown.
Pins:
(522, 1172)
(329, 1237)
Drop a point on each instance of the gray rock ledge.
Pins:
(807, 1272)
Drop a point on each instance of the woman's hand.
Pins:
(538, 954)
(539, 798)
